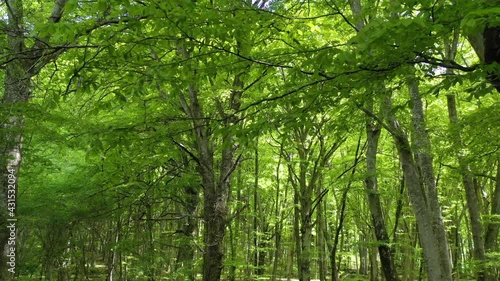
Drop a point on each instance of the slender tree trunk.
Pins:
(457, 242)
(385, 251)
(289, 267)
(185, 254)
(305, 190)
(470, 191)
(373, 134)
(363, 255)
(333, 247)
(320, 229)
(494, 226)
(234, 231)
(373, 265)
(113, 256)
(258, 258)
(399, 209)
(296, 225)
(306, 236)
(336, 240)
(278, 214)
(465, 171)
(232, 250)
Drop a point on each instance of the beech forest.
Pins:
(242, 140)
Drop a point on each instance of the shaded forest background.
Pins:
(245, 140)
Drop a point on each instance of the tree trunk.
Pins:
(215, 212)
(320, 229)
(385, 251)
(259, 222)
(22, 65)
(363, 255)
(185, 255)
(493, 226)
(235, 229)
(373, 134)
(423, 160)
(465, 171)
(470, 191)
(296, 225)
(333, 248)
(491, 35)
(215, 188)
(16, 91)
(373, 265)
(310, 168)
(278, 214)
(417, 197)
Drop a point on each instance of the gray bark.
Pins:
(423, 159)
(320, 229)
(470, 191)
(188, 226)
(216, 184)
(371, 184)
(465, 171)
(494, 225)
(278, 214)
(215, 189)
(417, 197)
(16, 91)
(22, 65)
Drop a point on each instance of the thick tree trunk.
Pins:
(11, 160)
(423, 159)
(215, 212)
(303, 211)
(427, 239)
(215, 187)
(491, 37)
(418, 199)
(17, 90)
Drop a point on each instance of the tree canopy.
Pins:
(243, 140)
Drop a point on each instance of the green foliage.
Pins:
(111, 163)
